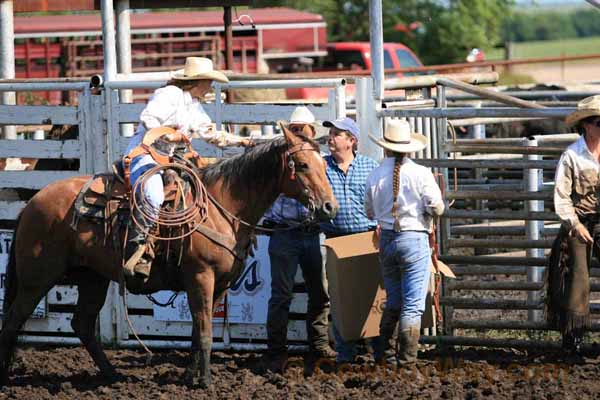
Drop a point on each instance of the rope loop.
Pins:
(164, 219)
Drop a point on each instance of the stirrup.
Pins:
(134, 259)
(143, 267)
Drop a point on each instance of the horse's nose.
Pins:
(329, 209)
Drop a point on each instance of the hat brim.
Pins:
(576, 116)
(319, 133)
(210, 75)
(417, 143)
(302, 123)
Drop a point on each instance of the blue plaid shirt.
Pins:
(285, 210)
(349, 191)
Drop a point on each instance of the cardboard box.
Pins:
(356, 286)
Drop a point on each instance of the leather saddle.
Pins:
(103, 195)
(107, 193)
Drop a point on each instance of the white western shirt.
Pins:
(171, 106)
(419, 197)
(576, 184)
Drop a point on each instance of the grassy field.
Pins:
(550, 48)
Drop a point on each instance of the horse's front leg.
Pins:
(200, 298)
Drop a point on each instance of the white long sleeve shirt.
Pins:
(576, 184)
(419, 197)
(171, 106)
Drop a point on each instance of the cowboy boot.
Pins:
(385, 351)
(409, 345)
(572, 342)
(139, 260)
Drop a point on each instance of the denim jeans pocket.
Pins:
(410, 248)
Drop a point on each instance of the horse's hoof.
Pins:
(205, 383)
(112, 375)
(3, 378)
(192, 379)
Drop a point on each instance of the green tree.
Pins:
(552, 25)
(461, 26)
(587, 22)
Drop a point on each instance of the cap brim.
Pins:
(211, 75)
(330, 124)
(576, 116)
(417, 143)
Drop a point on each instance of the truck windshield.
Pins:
(407, 60)
(387, 60)
(345, 59)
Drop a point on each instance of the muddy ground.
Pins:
(68, 373)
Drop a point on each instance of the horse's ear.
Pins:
(289, 136)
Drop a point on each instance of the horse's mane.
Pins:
(257, 165)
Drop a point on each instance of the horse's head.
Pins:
(304, 177)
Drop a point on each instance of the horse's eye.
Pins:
(301, 166)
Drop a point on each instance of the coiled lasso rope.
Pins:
(190, 216)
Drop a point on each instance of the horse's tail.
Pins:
(10, 281)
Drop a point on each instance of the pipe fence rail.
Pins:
(497, 233)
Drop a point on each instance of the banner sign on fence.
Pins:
(5, 242)
(247, 298)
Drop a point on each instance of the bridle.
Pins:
(295, 170)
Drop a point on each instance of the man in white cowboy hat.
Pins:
(576, 204)
(403, 197)
(176, 105)
(295, 243)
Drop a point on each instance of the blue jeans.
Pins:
(153, 190)
(405, 258)
(287, 250)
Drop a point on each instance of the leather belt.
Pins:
(301, 228)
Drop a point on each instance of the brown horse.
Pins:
(46, 248)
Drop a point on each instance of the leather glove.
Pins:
(581, 233)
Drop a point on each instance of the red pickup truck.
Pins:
(356, 56)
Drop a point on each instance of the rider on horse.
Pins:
(176, 105)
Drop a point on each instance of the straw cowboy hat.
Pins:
(302, 116)
(199, 68)
(588, 107)
(398, 138)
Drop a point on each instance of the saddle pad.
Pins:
(106, 186)
(96, 194)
